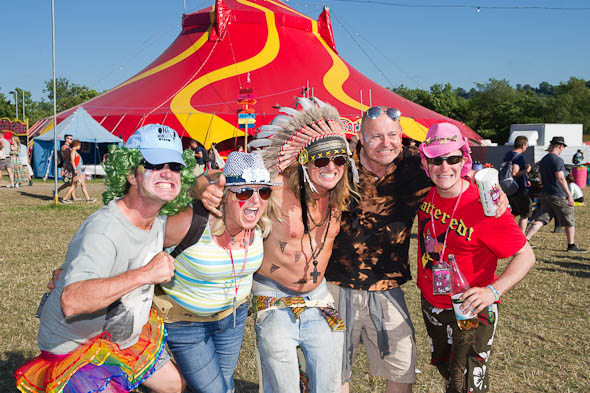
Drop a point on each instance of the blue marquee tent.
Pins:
(82, 127)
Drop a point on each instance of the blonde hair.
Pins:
(271, 213)
(340, 195)
(16, 140)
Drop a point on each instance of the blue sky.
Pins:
(102, 43)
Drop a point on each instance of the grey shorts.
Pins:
(5, 164)
(551, 206)
(400, 364)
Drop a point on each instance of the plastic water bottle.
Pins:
(465, 320)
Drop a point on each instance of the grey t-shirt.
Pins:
(105, 245)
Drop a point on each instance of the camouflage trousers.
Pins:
(461, 356)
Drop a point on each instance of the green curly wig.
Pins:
(123, 161)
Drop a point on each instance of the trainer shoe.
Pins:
(66, 201)
(574, 248)
(30, 183)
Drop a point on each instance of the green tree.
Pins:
(69, 94)
(571, 103)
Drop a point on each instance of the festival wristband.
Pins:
(494, 292)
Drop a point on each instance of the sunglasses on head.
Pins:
(451, 160)
(323, 161)
(245, 193)
(173, 166)
(375, 111)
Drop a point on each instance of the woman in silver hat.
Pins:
(205, 303)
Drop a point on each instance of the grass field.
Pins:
(542, 342)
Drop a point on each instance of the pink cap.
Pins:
(444, 138)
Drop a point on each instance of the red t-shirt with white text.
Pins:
(477, 241)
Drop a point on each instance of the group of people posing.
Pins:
(317, 230)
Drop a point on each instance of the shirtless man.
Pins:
(292, 303)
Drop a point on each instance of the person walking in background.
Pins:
(520, 202)
(23, 157)
(201, 156)
(70, 171)
(461, 356)
(18, 171)
(67, 169)
(5, 161)
(556, 199)
(215, 159)
(80, 177)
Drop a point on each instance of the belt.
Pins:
(171, 311)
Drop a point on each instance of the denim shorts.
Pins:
(206, 353)
(278, 335)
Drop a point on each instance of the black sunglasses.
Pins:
(174, 166)
(375, 111)
(451, 160)
(322, 162)
(245, 193)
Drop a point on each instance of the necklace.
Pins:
(316, 253)
(236, 282)
(233, 237)
(321, 223)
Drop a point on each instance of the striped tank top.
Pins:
(203, 281)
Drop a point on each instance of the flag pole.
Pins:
(54, 103)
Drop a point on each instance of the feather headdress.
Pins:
(292, 136)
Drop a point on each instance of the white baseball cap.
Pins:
(159, 144)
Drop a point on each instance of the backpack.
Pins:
(60, 159)
(507, 182)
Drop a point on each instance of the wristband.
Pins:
(494, 292)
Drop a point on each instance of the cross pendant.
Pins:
(315, 274)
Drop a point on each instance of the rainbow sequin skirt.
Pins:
(97, 366)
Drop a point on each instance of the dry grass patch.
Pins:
(542, 342)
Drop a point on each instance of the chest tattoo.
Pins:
(274, 268)
(282, 245)
(297, 256)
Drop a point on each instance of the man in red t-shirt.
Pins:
(451, 221)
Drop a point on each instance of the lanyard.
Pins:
(236, 282)
(441, 254)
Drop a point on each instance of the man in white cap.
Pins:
(97, 329)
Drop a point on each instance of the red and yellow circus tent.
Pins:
(234, 63)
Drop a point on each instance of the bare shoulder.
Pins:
(177, 227)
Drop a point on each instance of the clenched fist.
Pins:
(160, 269)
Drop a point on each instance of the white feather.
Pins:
(288, 110)
(265, 134)
(259, 143)
(305, 103)
(280, 119)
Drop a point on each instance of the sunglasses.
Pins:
(174, 166)
(451, 160)
(245, 193)
(375, 111)
(322, 162)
